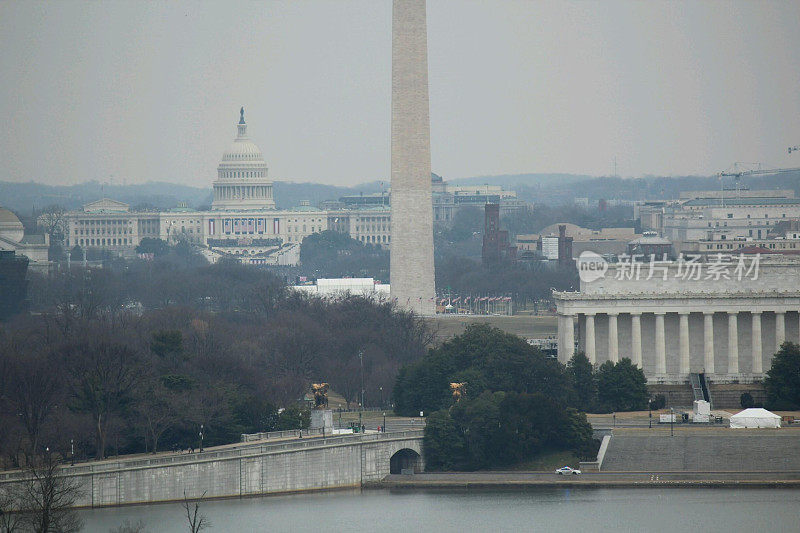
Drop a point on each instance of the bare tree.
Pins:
(48, 497)
(158, 409)
(102, 379)
(10, 517)
(53, 222)
(197, 521)
(33, 387)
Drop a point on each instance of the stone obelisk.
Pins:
(411, 257)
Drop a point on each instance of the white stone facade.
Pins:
(242, 182)
(13, 239)
(719, 215)
(243, 216)
(728, 329)
(412, 279)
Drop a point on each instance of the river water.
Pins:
(547, 509)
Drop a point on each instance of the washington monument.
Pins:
(411, 256)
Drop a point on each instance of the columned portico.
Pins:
(590, 339)
(661, 348)
(683, 341)
(733, 344)
(613, 338)
(568, 339)
(708, 343)
(756, 342)
(636, 339)
(780, 329)
(672, 328)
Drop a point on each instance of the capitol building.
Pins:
(243, 221)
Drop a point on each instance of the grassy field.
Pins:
(548, 461)
(527, 326)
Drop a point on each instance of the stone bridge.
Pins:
(249, 469)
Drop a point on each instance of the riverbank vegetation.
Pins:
(782, 382)
(516, 403)
(139, 356)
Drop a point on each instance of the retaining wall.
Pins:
(310, 464)
(742, 450)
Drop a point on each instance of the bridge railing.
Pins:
(243, 450)
(288, 433)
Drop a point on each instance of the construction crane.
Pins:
(737, 170)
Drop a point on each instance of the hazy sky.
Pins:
(151, 90)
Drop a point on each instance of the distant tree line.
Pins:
(331, 254)
(136, 356)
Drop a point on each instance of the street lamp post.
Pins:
(361, 411)
(381, 389)
(201, 438)
(361, 365)
(72, 451)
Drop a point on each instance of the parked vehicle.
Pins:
(567, 471)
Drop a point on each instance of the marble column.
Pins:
(683, 367)
(708, 343)
(613, 338)
(757, 358)
(661, 348)
(636, 339)
(733, 343)
(591, 353)
(780, 329)
(569, 337)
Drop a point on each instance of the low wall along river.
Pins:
(249, 469)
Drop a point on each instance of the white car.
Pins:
(567, 471)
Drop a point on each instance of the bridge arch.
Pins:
(405, 460)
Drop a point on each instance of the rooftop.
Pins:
(735, 202)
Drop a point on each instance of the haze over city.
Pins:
(548, 252)
(126, 92)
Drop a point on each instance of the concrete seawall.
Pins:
(252, 469)
(701, 449)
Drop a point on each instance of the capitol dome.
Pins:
(242, 181)
(10, 226)
(243, 149)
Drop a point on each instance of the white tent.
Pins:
(755, 418)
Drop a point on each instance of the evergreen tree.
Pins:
(583, 381)
(621, 386)
(783, 378)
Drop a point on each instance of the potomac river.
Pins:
(537, 509)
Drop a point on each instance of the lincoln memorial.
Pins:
(724, 318)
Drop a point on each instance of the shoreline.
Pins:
(794, 484)
(525, 480)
